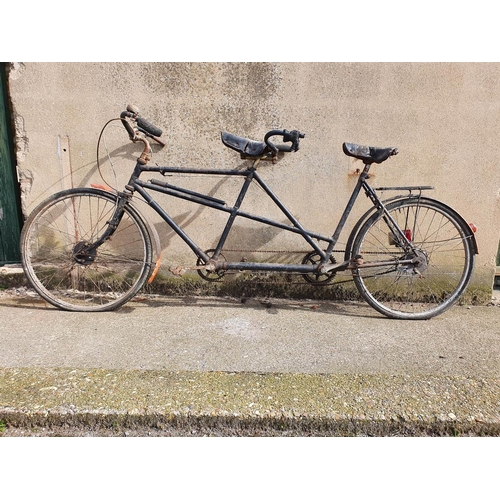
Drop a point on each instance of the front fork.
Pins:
(84, 252)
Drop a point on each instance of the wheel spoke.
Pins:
(54, 251)
(431, 285)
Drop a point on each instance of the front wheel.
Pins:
(54, 243)
(422, 282)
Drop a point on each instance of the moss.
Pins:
(61, 401)
(267, 285)
(476, 295)
(12, 280)
(252, 285)
(281, 286)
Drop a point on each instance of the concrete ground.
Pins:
(190, 366)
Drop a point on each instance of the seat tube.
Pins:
(234, 213)
(361, 183)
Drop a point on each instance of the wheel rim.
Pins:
(59, 265)
(440, 273)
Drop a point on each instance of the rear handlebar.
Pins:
(294, 137)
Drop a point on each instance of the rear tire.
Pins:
(406, 291)
(104, 280)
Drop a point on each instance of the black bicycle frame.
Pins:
(250, 175)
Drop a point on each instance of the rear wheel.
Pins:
(69, 274)
(442, 265)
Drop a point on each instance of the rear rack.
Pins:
(404, 188)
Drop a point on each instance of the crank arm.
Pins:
(338, 266)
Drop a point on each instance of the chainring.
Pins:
(210, 275)
(317, 278)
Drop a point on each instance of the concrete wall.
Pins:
(443, 117)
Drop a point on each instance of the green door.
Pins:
(10, 213)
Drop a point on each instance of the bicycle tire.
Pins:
(409, 291)
(111, 276)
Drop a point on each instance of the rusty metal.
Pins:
(155, 270)
(145, 157)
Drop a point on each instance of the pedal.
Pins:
(177, 271)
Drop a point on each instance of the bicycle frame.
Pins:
(250, 174)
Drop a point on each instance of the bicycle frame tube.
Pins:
(250, 175)
(397, 232)
(343, 219)
(234, 211)
(202, 199)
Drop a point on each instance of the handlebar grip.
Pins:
(292, 136)
(148, 127)
(142, 124)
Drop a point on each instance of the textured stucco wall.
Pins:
(443, 117)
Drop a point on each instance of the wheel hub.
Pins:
(83, 255)
(419, 262)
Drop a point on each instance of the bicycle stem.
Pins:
(145, 157)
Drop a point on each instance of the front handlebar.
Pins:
(143, 125)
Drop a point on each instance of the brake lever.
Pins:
(294, 137)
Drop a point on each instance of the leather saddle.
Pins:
(368, 154)
(246, 147)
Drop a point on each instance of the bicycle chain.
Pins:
(225, 250)
(295, 252)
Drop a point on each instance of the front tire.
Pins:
(445, 255)
(60, 227)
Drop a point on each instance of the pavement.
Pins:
(219, 366)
